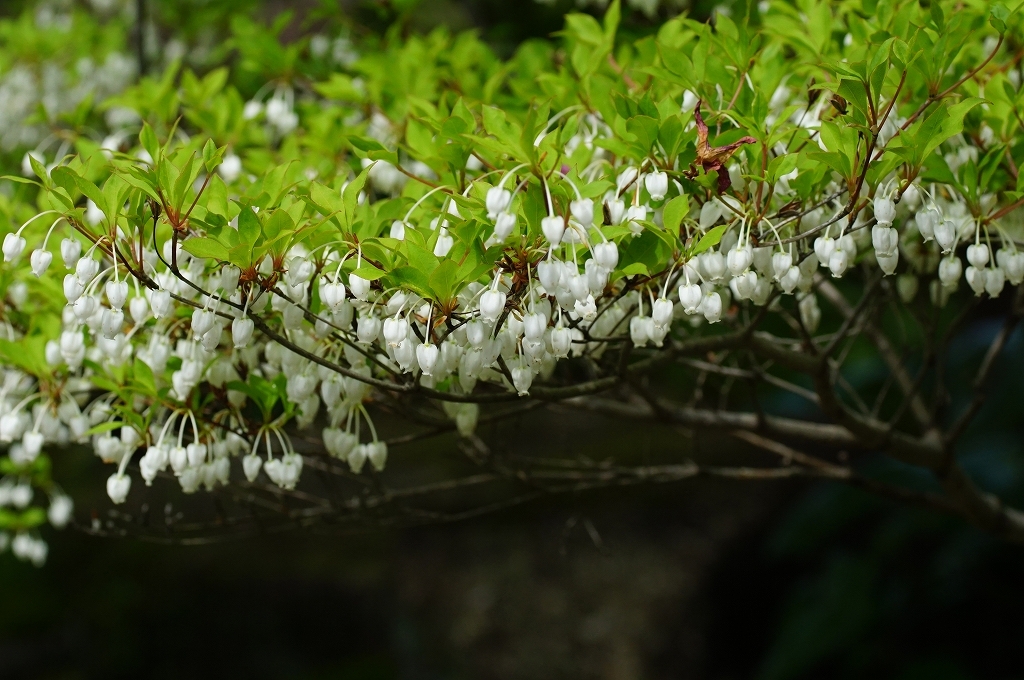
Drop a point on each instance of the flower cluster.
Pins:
(221, 303)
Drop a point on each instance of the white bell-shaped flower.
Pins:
(40, 261)
(359, 286)
(138, 308)
(13, 246)
(885, 210)
(586, 309)
(444, 243)
(118, 485)
(994, 281)
(945, 235)
(977, 255)
(161, 303)
(607, 255)
(117, 293)
(492, 303)
(522, 379)
(739, 259)
(497, 201)
(810, 313)
(838, 261)
(426, 357)
(975, 279)
(781, 262)
(950, 270)
(582, 210)
(823, 247)
(504, 223)
(86, 269)
(711, 306)
(690, 297)
(70, 251)
(657, 185)
(553, 227)
(73, 288)
(887, 262)
(713, 264)
(640, 329)
(251, 465)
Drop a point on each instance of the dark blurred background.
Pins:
(703, 579)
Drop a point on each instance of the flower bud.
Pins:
(139, 309)
(357, 457)
(377, 453)
(332, 294)
(534, 326)
(396, 329)
(791, 279)
(884, 239)
(616, 210)
(634, 215)
(625, 178)
(743, 285)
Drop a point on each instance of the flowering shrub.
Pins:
(432, 229)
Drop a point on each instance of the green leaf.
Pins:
(206, 247)
(674, 212)
(444, 281)
(709, 240)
